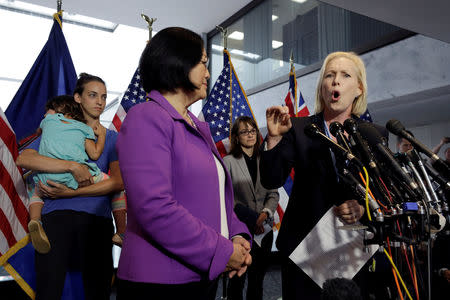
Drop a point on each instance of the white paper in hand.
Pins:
(328, 252)
(258, 238)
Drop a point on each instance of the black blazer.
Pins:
(315, 187)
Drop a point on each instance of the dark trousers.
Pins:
(79, 242)
(373, 285)
(295, 284)
(203, 290)
(255, 273)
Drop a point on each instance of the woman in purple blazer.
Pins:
(182, 232)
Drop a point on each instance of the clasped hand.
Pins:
(240, 259)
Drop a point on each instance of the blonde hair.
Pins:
(360, 103)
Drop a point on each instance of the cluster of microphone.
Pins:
(406, 193)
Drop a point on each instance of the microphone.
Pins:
(351, 127)
(348, 178)
(437, 177)
(415, 157)
(378, 142)
(337, 130)
(313, 131)
(397, 128)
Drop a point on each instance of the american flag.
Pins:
(13, 194)
(226, 102)
(134, 94)
(13, 197)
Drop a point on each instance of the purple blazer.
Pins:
(173, 231)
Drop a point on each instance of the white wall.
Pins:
(395, 73)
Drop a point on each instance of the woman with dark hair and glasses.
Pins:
(182, 232)
(254, 204)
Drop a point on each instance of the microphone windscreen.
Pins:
(350, 126)
(395, 126)
(335, 127)
(312, 130)
(371, 134)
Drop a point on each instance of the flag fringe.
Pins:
(20, 281)
(14, 249)
(8, 268)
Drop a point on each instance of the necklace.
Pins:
(191, 121)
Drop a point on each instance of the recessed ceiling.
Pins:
(200, 16)
(430, 18)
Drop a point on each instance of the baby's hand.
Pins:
(99, 130)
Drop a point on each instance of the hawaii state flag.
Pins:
(52, 74)
(296, 108)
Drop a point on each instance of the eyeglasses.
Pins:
(248, 132)
(205, 62)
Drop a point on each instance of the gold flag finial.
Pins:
(224, 32)
(150, 24)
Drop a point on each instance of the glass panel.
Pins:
(261, 42)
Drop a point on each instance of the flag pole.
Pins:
(224, 32)
(291, 62)
(291, 59)
(150, 25)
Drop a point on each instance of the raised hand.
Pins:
(278, 120)
(278, 123)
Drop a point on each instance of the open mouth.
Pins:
(335, 96)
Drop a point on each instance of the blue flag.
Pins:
(226, 102)
(52, 74)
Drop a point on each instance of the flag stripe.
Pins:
(117, 123)
(13, 192)
(8, 137)
(288, 101)
(12, 204)
(221, 148)
(6, 229)
(280, 213)
(3, 245)
(14, 188)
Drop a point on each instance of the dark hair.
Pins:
(399, 138)
(340, 289)
(236, 149)
(66, 105)
(83, 79)
(168, 58)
